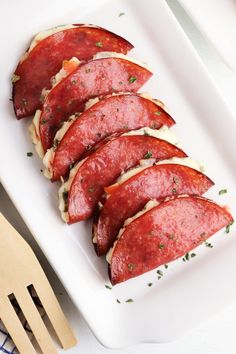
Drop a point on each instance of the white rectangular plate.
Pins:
(216, 20)
(189, 291)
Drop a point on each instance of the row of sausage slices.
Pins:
(113, 150)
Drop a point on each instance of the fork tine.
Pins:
(54, 313)
(35, 321)
(14, 327)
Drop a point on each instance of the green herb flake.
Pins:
(65, 196)
(208, 244)
(99, 44)
(15, 78)
(108, 287)
(154, 125)
(149, 284)
(161, 246)
(160, 272)
(158, 113)
(166, 266)
(73, 81)
(187, 256)
(227, 229)
(146, 133)
(176, 180)
(222, 191)
(129, 300)
(29, 154)
(121, 14)
(148, 155)
(55, 143)
(43, 121)
(91, 189)
(174, 190)
(118, 301)
(131, 266)
(132, 79)
(192, 255)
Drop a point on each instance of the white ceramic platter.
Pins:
(216, 19)
(188, 292)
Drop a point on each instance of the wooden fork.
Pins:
(20, 268)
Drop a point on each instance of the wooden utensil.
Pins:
(19, 268)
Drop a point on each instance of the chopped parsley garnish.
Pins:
(149, 284)
(43, 121)
(192, 255)
(117, 300)
(55, 143)
(121, 14)
(208, 244)
(91, 189)
(154, 125)
(129, 300)
(132, 79)
(222, 191)
(130, 266)
(108, 287)
(160, 272)
(161, 246)
(11, 99)
(29, 154)
(65, 196)
(166, 266)
(99, 44)
(174, 190)
(148, 155)
(227, 229)
(176, 180)
(74, 81)
(146, 133)
(158, 113)
(186, 257)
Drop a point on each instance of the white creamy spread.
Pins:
(150, 205)
(103, 55)
(163, 133)
(65, 187)
(34, 134)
